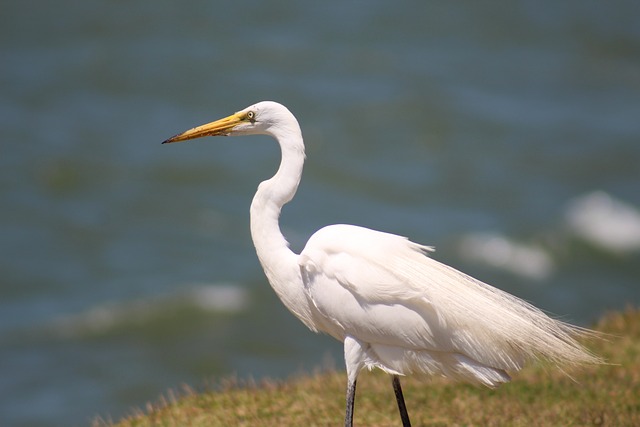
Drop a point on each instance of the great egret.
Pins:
(394, 307)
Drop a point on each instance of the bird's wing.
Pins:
(362, 260)
(351, 277)
(381, 288)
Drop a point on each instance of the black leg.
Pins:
(351, 398)
(400, 398)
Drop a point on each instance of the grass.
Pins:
(540, 395)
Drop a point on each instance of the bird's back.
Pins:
(418, 316)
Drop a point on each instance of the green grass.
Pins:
(538, 396)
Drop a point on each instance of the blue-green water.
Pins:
(507, 135)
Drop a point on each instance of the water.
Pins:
(507, 135)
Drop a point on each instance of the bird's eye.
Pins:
(251, 116)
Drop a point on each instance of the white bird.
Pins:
(392, 306)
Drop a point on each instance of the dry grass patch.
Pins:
(539, 396)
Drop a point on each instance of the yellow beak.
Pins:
(219, 127)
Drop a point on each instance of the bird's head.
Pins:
(266, 117)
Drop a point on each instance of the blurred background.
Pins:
(507, 135)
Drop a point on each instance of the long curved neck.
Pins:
(280, 264)
(269, 199)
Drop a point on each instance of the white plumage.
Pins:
(393, 306)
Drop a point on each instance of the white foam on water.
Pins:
(220, 298)
(498, 251)
(604, 221)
